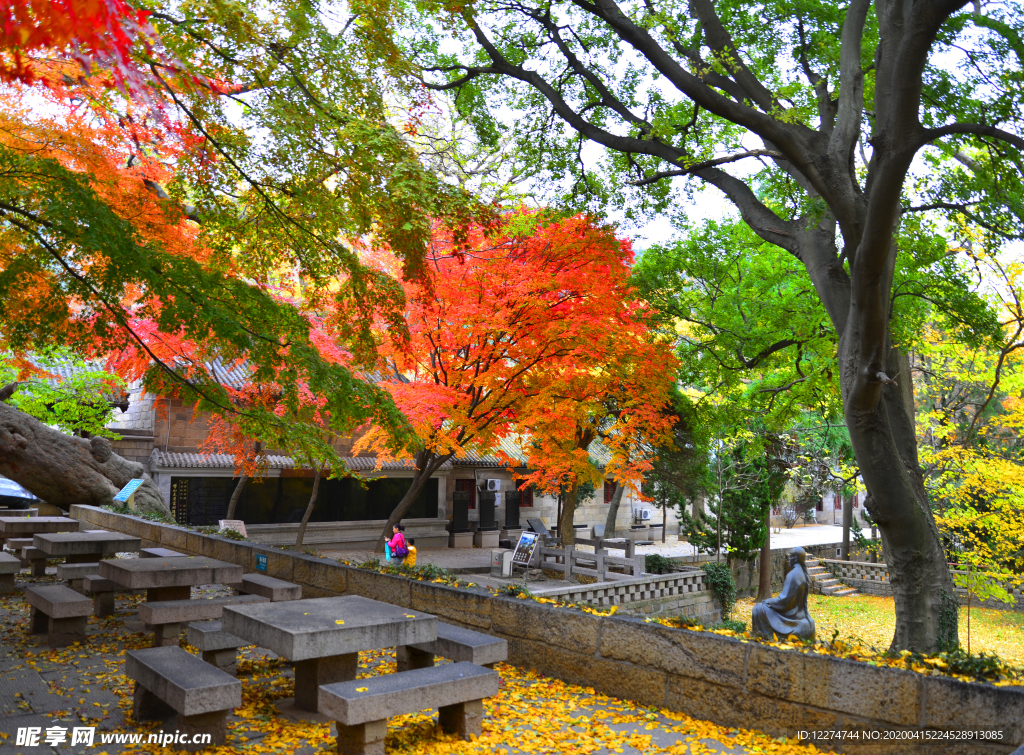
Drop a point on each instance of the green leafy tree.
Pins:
(811, 120)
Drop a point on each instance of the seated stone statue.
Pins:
(787, 614)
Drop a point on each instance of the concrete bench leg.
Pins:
(410, 658)
(153, 594)
(166, 634)
(148, 707)
(103, 604)
(6, 584)
(215, 724)
(362, 739)
(464, 719)
(38, 567)
(311, 674)
(38, 622)
(225, 660)
(63, 632)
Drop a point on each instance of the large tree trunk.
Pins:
(65, 470)
(613, 511)
(426, 464)
(309, 510)
(764, 581)
(844, 551)
(565, 529)
(884, 442)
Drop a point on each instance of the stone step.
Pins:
(816, 570)
(831, 582)
(846, 593)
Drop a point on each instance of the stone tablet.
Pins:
(301, 630)
(182, 571)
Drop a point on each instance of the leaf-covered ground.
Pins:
(85, 685)
(872, 618)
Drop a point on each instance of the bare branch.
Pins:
(978, 129)
(706, 164)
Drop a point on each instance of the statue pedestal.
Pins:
(461, 540)
(485, 539)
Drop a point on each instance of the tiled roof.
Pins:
(172, 460)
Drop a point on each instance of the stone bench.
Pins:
(35, 558)
(272, 589)
(362, 707)
(102, 591)
(218, 647)
(170, 681)
(9, 566)
(15, 544)
(167, 616)
(59, 611)
(159, 553)
(456, 644)
(74, 574)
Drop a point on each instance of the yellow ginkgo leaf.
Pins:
(340, 621)
(362, 689)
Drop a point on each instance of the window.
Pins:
(609, 490)
(820, 505)
(856, 503)
(467, 486)
(525, 495)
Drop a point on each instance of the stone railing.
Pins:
(707, 676)
(874, 579)
(597, 563)
(676, 594)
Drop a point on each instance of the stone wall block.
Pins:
(385, 587)
(949, 704)
(728, 706)
(789, 675)
(556, 626)
(525, 653)
(452, 605)
(320, 574)
(882, 693)
(681, 652)
(625, 680)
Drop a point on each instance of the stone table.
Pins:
(169, 578)
(27, 526)
(83, 547)
(323, 636)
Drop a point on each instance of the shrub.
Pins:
(731, 624)
(655, 564)
(718, 576)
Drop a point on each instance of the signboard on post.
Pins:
(524, 549)
(127, 493)
(233, 524)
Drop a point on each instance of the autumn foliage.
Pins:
(529, 332)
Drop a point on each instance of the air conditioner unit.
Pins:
(645, 515)
(493, 486)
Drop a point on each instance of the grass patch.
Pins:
(872, 618)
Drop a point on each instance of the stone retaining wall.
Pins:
(874, 580)
(704, 675)
(680, 593)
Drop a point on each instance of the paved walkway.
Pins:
(478, 561)
(84, 687)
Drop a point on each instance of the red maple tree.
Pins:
(499, 330)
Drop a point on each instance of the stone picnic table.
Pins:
(85, 547)
(27, 526)
(323, 636)
(169, 578)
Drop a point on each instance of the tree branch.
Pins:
(978, 129)
(706, 164)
